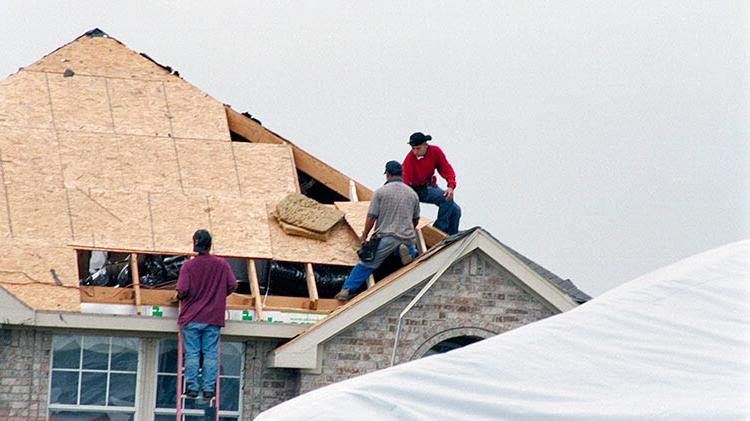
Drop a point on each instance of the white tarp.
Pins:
(674, 343)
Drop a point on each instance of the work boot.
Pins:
(343, 295)
(191, 394)
(403, 252)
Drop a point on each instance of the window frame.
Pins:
(77, 407)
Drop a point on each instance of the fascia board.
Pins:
(540, 286)
(302, 351)
(60, 320)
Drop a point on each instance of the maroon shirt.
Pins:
(205, 279)
(421, 172)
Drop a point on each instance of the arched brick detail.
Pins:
(442, 333)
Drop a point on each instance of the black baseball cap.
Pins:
(419, 138)
(393, 168)
(201, 241)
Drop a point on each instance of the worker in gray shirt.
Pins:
(394, 212)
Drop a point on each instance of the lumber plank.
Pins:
(136, 282)
(255, 288)
(370, 281)
(312, 287)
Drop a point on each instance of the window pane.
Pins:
(168, 356)
(121, 389)
(93, 388)
(64, 387)
(231, 358)
(230, 394)
(166, 391)
(89, 416)
(66, 351)
(124, 354)
(95, 352)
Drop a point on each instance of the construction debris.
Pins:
(300, 215)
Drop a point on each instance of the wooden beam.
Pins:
(305, 162)
(353, 197)
(252, 276)
(312, 287)
(432, 235)
(302, 304)
(420, 242)
(370, 281)
(136, 282)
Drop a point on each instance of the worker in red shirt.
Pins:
(203, 287)
(419, 173)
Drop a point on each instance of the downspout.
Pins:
(424, 290)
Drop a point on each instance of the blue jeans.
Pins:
(200, 338)
(360, 272)
(449, 213)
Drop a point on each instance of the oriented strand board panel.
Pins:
(111, 219)
(80, 103)
(119, 162)
(239, 227)
(24, 101)
(355, 214)
(39, 212)
(138, 107)
(266, 172)
(29, 157)
(194, 114)
(340, 249)
(175, 218)
(207, 166)
(46, 296)
(100, 56)
(5, 227)
(31, 260)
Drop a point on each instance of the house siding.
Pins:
(474, 297)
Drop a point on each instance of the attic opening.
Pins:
(451, 344)
(314, 189)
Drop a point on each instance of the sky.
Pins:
(601, 139)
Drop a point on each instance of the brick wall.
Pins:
(265, 387)
(475, 297)
(24, 374)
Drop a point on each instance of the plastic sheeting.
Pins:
(674, 343)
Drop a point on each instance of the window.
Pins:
(93, 378)
(451, 344)
(230, 386)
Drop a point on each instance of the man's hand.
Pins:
(448, 193)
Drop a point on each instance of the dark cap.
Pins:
(419, 138)
(393, 168)
(201, 241)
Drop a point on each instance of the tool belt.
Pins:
(367, 252)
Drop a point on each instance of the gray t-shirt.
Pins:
(395, 206)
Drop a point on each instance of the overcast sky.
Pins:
(602, 139)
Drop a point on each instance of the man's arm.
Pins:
(369, 223)
(406, 169)
(231, 281)
(183, 284)
(445, 170)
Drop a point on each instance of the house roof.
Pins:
(302, 351)
(103, 148)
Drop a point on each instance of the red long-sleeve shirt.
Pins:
(420, 172)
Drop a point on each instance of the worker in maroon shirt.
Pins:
(203, 285)
(419, 173)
